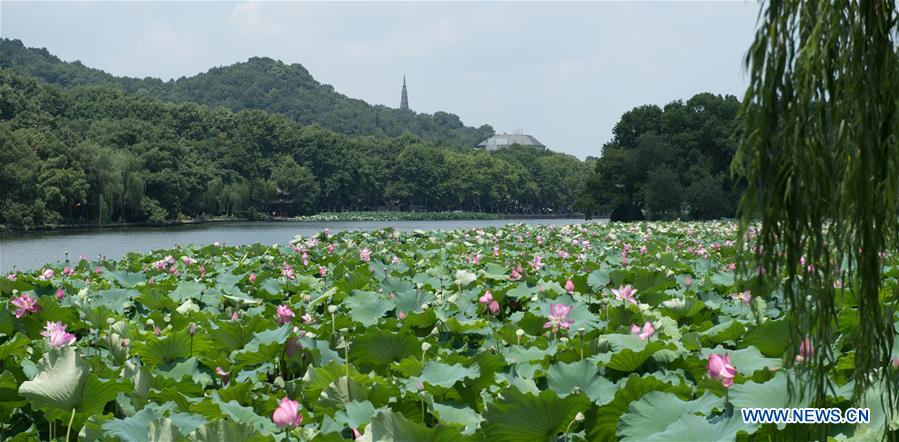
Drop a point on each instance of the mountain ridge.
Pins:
(262, 83)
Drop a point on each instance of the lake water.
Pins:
(32, 250)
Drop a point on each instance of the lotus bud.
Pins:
(192, 328)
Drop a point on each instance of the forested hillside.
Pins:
(667, 163)
(259, 83)
(96, 154)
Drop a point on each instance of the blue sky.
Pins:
(563, 72)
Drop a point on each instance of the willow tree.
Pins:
(820, 155)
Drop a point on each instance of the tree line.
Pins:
(96, 155)
(669, 162)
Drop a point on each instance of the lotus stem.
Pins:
(69, 430)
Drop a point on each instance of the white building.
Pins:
(500, 141)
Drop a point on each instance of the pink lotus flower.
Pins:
(365, 255)
(537, 263)
(235, 315)
(322, 271)
(569, 286)
(308, 319)
(25, 304)
(46, 275)
(187, 260)
(285, 314)
(287, 414)
(688, 281)
(896, 362)
(720, 368)
(646, 332)
(491, 304)
(401, 315)
(558, 317)
(56, 331)
(331, 248)
(496, 251)
(805, 350)
(60, 293)
(626, 293)
(287, 271)
(252, 278)
(156, 330)
(643, 250)
(745, 297)
(169, 259)
(395, 260)
(516, 273)
(11, 277)
(223, 375)
(68, 271)
(160, 265)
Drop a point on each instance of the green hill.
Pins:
(259, 83)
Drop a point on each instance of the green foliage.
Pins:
(259, 83)
(95, 154)
(668, 163)
(207, 357)
(820, 149)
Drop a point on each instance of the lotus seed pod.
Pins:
(332, 309)
(519, 333)
(579, 417)
(425, 346)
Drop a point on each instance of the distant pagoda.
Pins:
(404, 100)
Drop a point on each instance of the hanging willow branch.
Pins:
(820, 155)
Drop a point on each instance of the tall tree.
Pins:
(820, 152)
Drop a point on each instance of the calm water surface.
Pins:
(32, 250)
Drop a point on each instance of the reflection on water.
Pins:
(30, 251)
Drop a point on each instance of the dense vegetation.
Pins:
(521, 333)
(668, 163)
(96, 154)
(396, 216)
(260, 83)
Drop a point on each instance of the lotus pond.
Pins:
(517, 333)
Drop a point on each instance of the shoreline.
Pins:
(337, 217)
